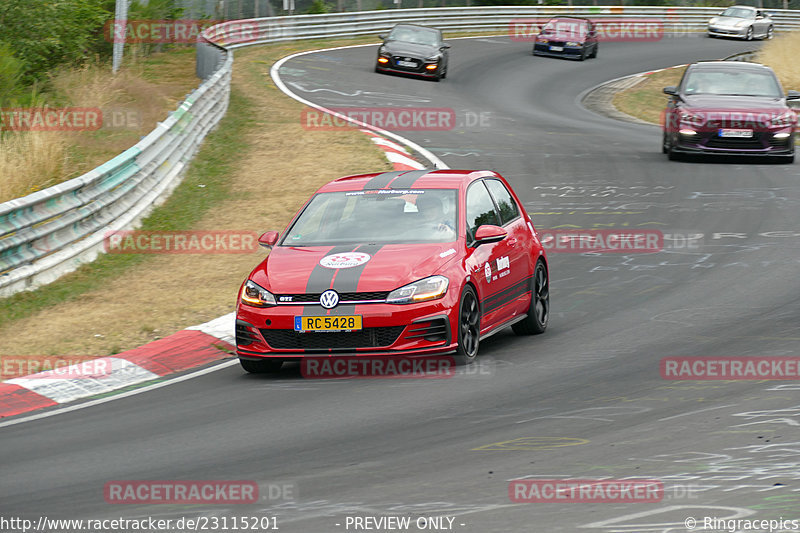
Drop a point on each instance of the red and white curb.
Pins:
(395, 153)
(184, 350)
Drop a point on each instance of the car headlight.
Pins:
(713, 20)
(573, 43)
(432, 58)
(691, 118)
(544, 40)
(786, 119)
(742, 23)
(256, 295)
(420, 291)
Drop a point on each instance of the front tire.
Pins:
(539, 310)
(469, 327)
(749, 36)
(770, 32)
(265, 366)
(666, 147)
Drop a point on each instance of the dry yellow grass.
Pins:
(782, 53)
(283, 166)
(646, 99)
(30, 161)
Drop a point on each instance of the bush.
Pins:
(11, 70)
(46, 34)
(318, 7)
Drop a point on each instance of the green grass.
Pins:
(210, 167)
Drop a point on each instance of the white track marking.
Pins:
(172, 381)
(275, 74)
(114, 373)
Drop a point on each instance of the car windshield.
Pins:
(376, 216)
(739, 12)
(409, 34)
(566, 25)
(729, 83)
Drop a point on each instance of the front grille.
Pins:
(417, 63)
(733, 143)
(377, 296)
(288, 339)
(433, 331)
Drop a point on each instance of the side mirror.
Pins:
(445, 46)
(489, 233)
(793, 95)
(268, 239)
(383, 36)
(671, 90)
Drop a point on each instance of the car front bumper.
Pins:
(568, 52)
(421, 328)
(420, 70)
(716, 31)
(763, 143)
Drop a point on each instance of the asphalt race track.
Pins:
(584, 400)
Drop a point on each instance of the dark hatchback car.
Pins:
(729, 108)
(569, 37)
(414, 50)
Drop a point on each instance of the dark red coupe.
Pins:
(729, 108)
(405, 262)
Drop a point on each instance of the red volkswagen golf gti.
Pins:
(408, 262)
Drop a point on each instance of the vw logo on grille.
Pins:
(329, 299)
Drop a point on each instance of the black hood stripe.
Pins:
(406, 181)
(382, 180)
(346, 279)
(321, 278)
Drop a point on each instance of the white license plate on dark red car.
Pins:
(736, 133)
(556, 48)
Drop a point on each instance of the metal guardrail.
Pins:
(51, 232)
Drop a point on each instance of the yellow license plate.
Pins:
(327, 323)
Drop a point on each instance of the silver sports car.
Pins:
(743, 22)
